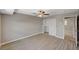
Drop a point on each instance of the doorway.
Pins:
(69, 29)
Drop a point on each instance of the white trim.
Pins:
(20, 38)
(60, 37)
(57, 36)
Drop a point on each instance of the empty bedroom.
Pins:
(38, 29)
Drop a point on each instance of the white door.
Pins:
(52, 26)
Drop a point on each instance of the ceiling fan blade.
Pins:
(46, 14)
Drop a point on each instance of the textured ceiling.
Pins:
(32, 11)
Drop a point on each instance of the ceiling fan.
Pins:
(41, 13)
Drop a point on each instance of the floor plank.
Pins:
(41, 42)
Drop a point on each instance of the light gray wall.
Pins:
(50, 24)
(0, 29)
(60, 26)
(19, 25)
(55, 26)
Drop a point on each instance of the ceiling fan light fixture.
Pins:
(40, 15)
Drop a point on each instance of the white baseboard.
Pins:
(60, 37)
(57, 36)
(20, 38)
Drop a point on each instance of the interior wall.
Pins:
(0, 29)
(45, 25)
(55, 26)
(51, 23)
(19, 25)
(60, 26)
(50, 26)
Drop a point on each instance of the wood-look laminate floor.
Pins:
(41, 42)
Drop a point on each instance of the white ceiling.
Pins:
(6, 11)
(32, 11)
